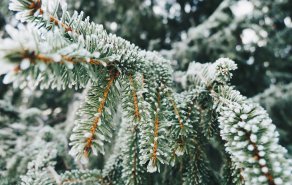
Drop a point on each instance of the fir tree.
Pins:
(161, 136)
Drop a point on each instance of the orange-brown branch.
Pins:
(156, 128)
(135, 99)
(43, 58)
(64, 58)
(16, 69)
(97, 119)
(176, 112)
(257, 157)
(57, 23)
(37, 6)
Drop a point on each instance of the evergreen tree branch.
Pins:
(150, 106)
(247, 129)
(135, 115)
(152, 163)
(135, 99)
(90, 132)
(176, 111)
(99, 113)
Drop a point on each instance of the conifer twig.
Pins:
(99, 112)
(135, 99)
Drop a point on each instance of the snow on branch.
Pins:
(69, 51)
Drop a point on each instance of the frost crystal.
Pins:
(151, 167)
(9, 78)
(123, 83)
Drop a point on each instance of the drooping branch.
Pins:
(176, 111)
(79, 41)
(135, 99)
(100, 109)
(94, 126)
(152, 163)
(250, 136)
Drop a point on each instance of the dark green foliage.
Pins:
(129, 94)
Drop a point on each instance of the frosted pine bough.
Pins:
(162, 127)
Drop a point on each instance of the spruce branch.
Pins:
(255, 147)
(33, 9)
(114, 165)
(152, 166)
(99, 112)
(176, 111)
(231, 174)
(135, 114)
(159, 123)
(182, 124)
(197, 171)
(135, 99)
(245, 127)
(84, 177)
(133, 171)
(90, 132)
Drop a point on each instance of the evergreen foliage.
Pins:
(162, 133)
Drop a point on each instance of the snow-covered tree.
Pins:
(126, 123)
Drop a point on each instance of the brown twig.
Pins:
(99, 111)
(156, 128)
(135, 99)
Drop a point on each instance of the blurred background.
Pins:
(256, 34)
